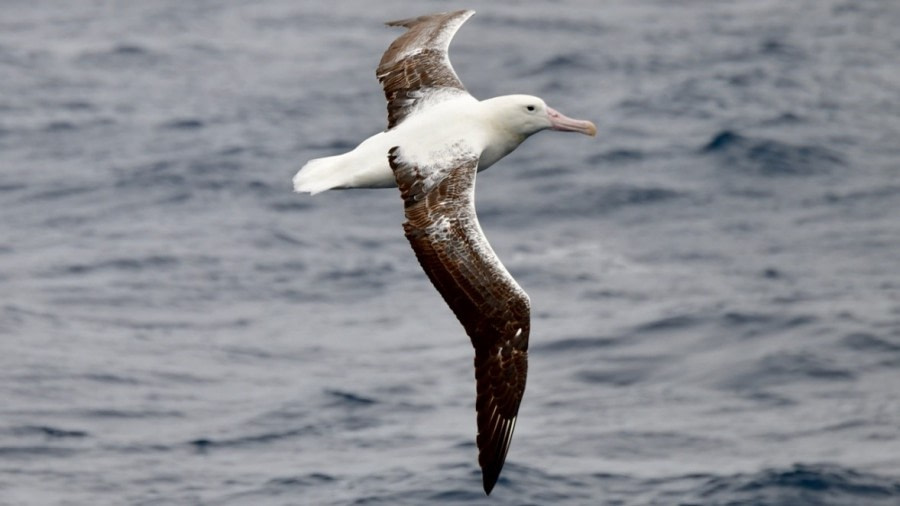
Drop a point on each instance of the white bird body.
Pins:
(480, 124)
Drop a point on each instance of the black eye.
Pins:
(530, 107)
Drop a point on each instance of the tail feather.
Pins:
(319, 175)
(364, 167)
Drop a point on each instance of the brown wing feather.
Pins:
(444, 233)
(415, 68)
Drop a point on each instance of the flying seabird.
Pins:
(438, 136)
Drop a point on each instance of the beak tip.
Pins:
(561, 122)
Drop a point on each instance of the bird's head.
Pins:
(526, 115)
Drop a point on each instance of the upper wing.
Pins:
(416, 68)
(444, 232)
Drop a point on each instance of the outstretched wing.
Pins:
(444, 233)
(416, 69)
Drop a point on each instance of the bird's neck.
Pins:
(501, 140)
(497, 149)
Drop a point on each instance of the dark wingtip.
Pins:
(490, 471)
(493, 465)
(489, 478)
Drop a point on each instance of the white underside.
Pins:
(422, 136)
(364, 167)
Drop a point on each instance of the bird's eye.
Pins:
(530, 107)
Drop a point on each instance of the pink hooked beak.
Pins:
(563, 123)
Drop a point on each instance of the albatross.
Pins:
(438, 137)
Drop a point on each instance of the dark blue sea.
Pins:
(715, 278)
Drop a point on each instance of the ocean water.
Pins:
(714, 278)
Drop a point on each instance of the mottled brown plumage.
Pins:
(415, 68)
(443, 229)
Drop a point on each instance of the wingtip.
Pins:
(489, 481)
(408, 22)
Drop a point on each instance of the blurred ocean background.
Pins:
(715, 278)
